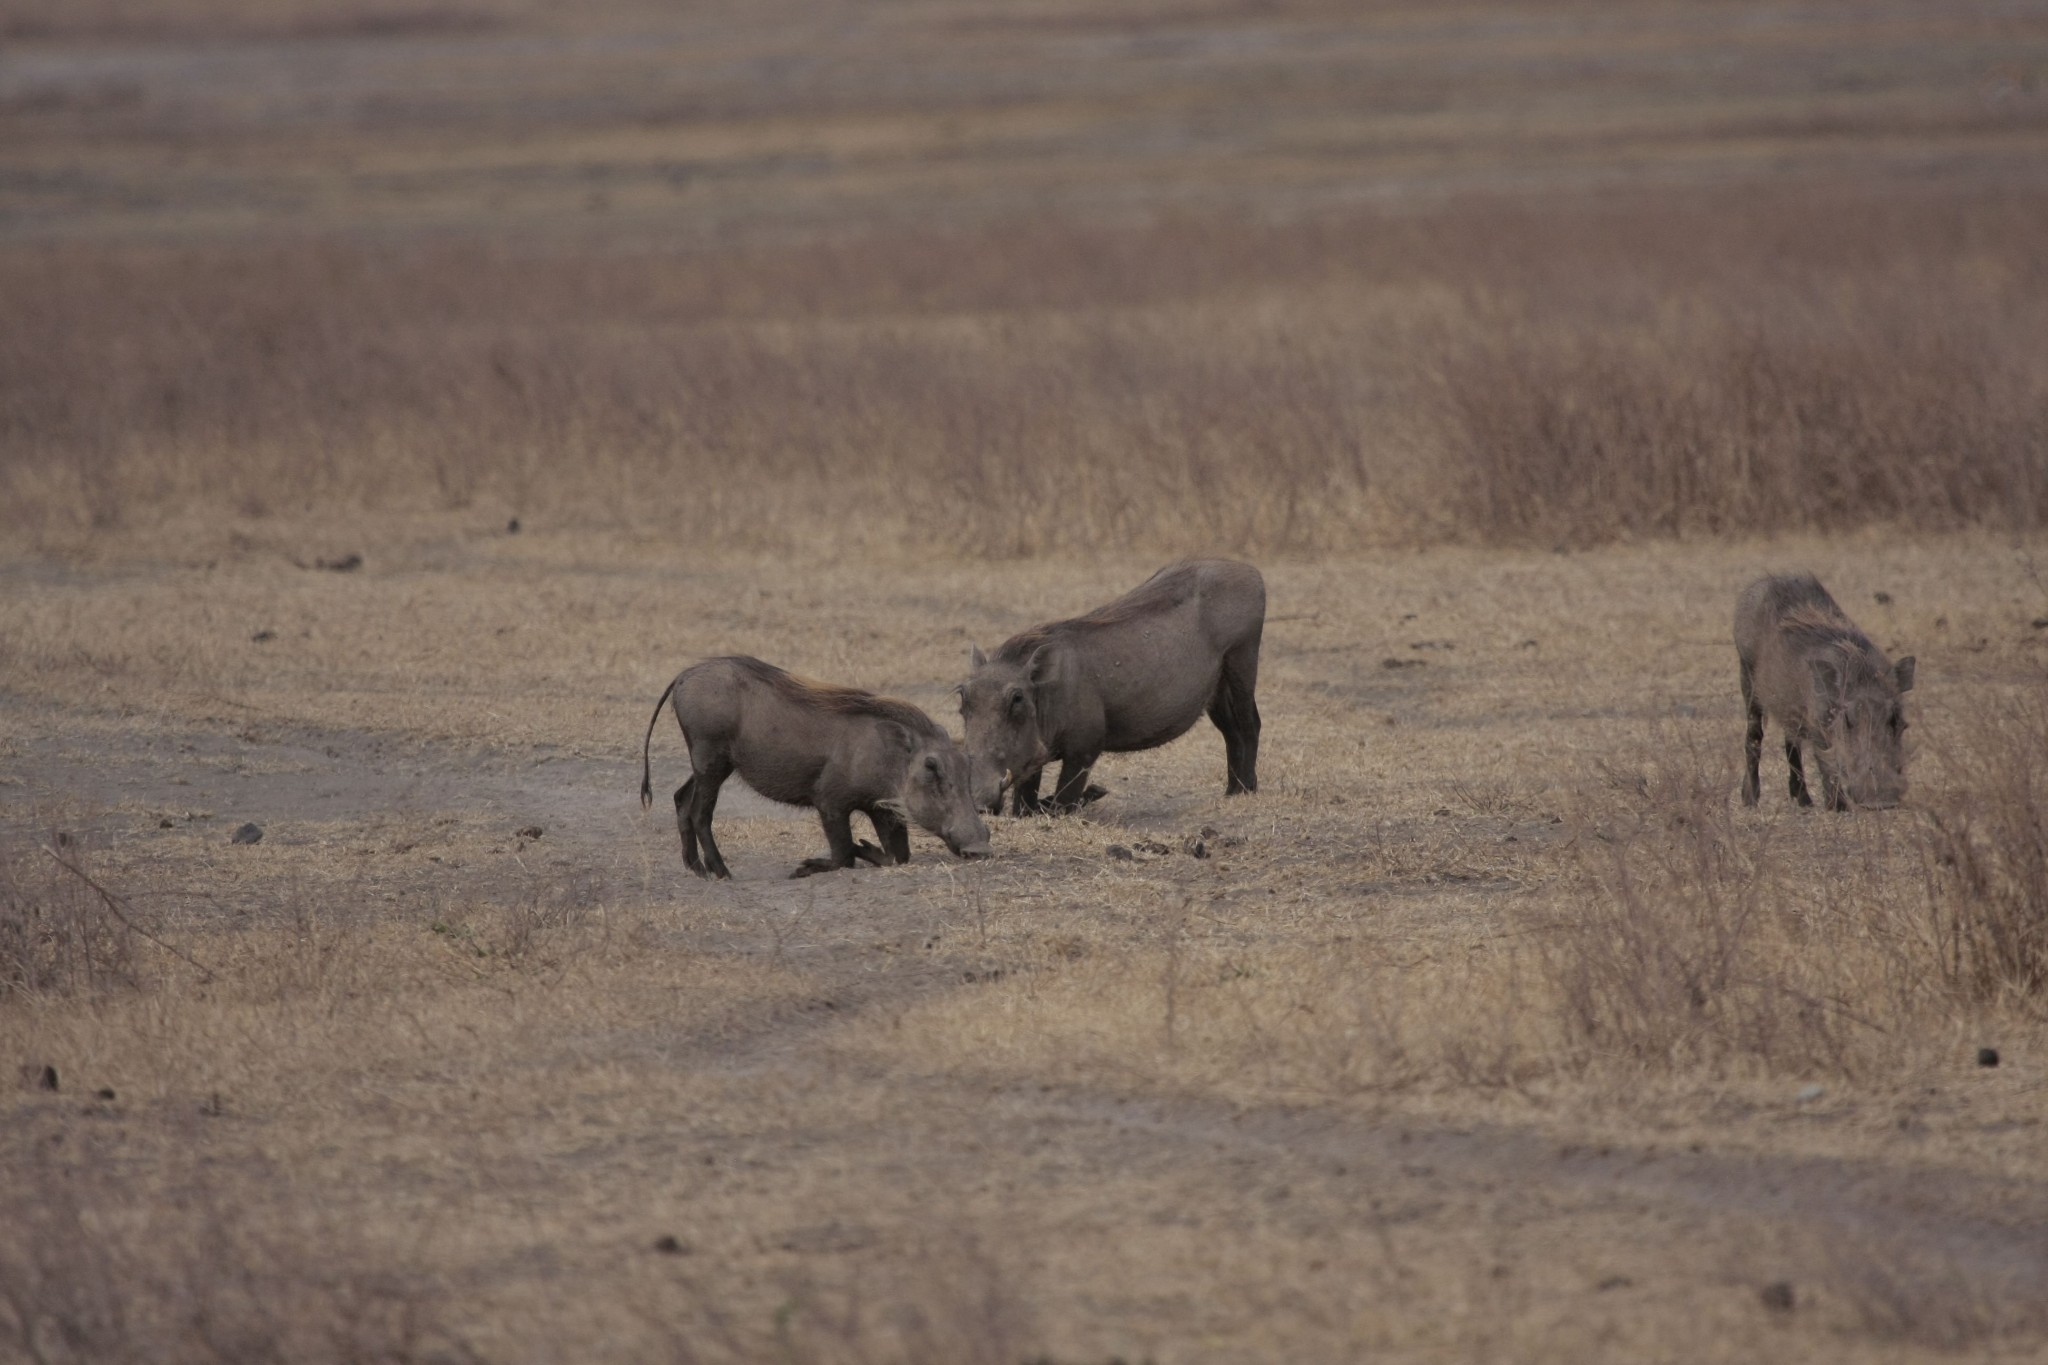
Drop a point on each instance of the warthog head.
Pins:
(1861, 744)
(1000, 709)
(940, 794)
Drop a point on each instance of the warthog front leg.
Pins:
(839, 836)
(895, 837)
(1074, 791)
(1024, 798)
(1797, 782)
(1752, 742)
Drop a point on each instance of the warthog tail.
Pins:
(646, 778)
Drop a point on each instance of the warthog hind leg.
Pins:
(704, 803)
(690, 858)
(1235, 710)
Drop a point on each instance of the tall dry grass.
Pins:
(1986, 933)
(1706, 940)
(1574, 374)
(1711, 938)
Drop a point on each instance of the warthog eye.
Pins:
(1017, 705)
(931, 764)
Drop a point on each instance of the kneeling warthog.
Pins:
(835, 749)
(1807, 667)
(1131, 675)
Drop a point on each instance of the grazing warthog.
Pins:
(834, 749)
(1807, 667)
(1131, 675)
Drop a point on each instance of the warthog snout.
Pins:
(974, 850)
(1863, 762)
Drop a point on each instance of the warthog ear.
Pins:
(975, 658)
(900, 736)
(1034, 667)
(1903, 671)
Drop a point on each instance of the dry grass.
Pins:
(1363, 380)
(1038, 1106)
(1704, 942)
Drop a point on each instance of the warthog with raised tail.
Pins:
(1131, 675)
(1807, 667)
(835, 749)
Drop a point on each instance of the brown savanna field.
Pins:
(1509, 339)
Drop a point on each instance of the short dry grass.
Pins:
(1495, 897)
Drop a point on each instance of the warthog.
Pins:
(835, 749)
(1807, 666)
(1131, 675)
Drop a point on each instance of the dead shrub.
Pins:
(554, 918)
(92, 1269)
(1986, 844)
(58, 934)
(1699, 943)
